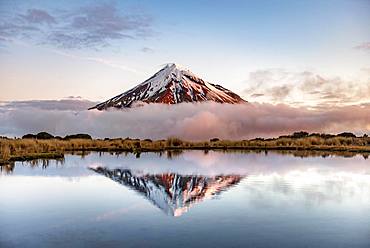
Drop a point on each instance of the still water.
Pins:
(189, 199)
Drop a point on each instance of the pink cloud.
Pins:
(188, 121)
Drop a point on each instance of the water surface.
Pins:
(189, 199)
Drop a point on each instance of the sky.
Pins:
(262, 50)
(301, 64)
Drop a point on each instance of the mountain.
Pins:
(172, 85)
(173, 193)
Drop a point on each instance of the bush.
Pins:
(29, 136)
(327, 136)
(300, 134)
(136, 145)
(346, 135)
(214, 140)
(78, 136)
(44, 135)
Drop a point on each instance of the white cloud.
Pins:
(306, 88)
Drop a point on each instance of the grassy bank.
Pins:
(28, 149)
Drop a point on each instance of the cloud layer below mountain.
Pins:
(189, 121)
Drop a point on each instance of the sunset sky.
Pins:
(294, 52)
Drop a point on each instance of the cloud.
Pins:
(11, 30)
(363, 46)
(366, 71)
(70, 103)
(280, 92)
(38, 16)
(92, 26)
(188, 121)
(147, 50)
(306, 88)
(103, 61)
(98, 25)
(257, 95)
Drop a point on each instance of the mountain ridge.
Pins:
(171, 85)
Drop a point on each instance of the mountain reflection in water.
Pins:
(101, 199)
(173, 193)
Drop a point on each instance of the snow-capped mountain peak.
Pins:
(172, 84)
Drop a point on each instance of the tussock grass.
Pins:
(22, 149)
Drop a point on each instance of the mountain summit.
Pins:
(172, 84)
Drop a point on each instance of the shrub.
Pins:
(78, 136)
(44, 135)
(136, 145)
(29, 136)
(347, 135)
(300, 134)
(314, 135)
(214, 140)
(327, 136)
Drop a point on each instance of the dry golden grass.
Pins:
(11, 149)
(4, 152)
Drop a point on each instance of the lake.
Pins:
(187, 199)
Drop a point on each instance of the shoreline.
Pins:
(46, 146)
(354, 150)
